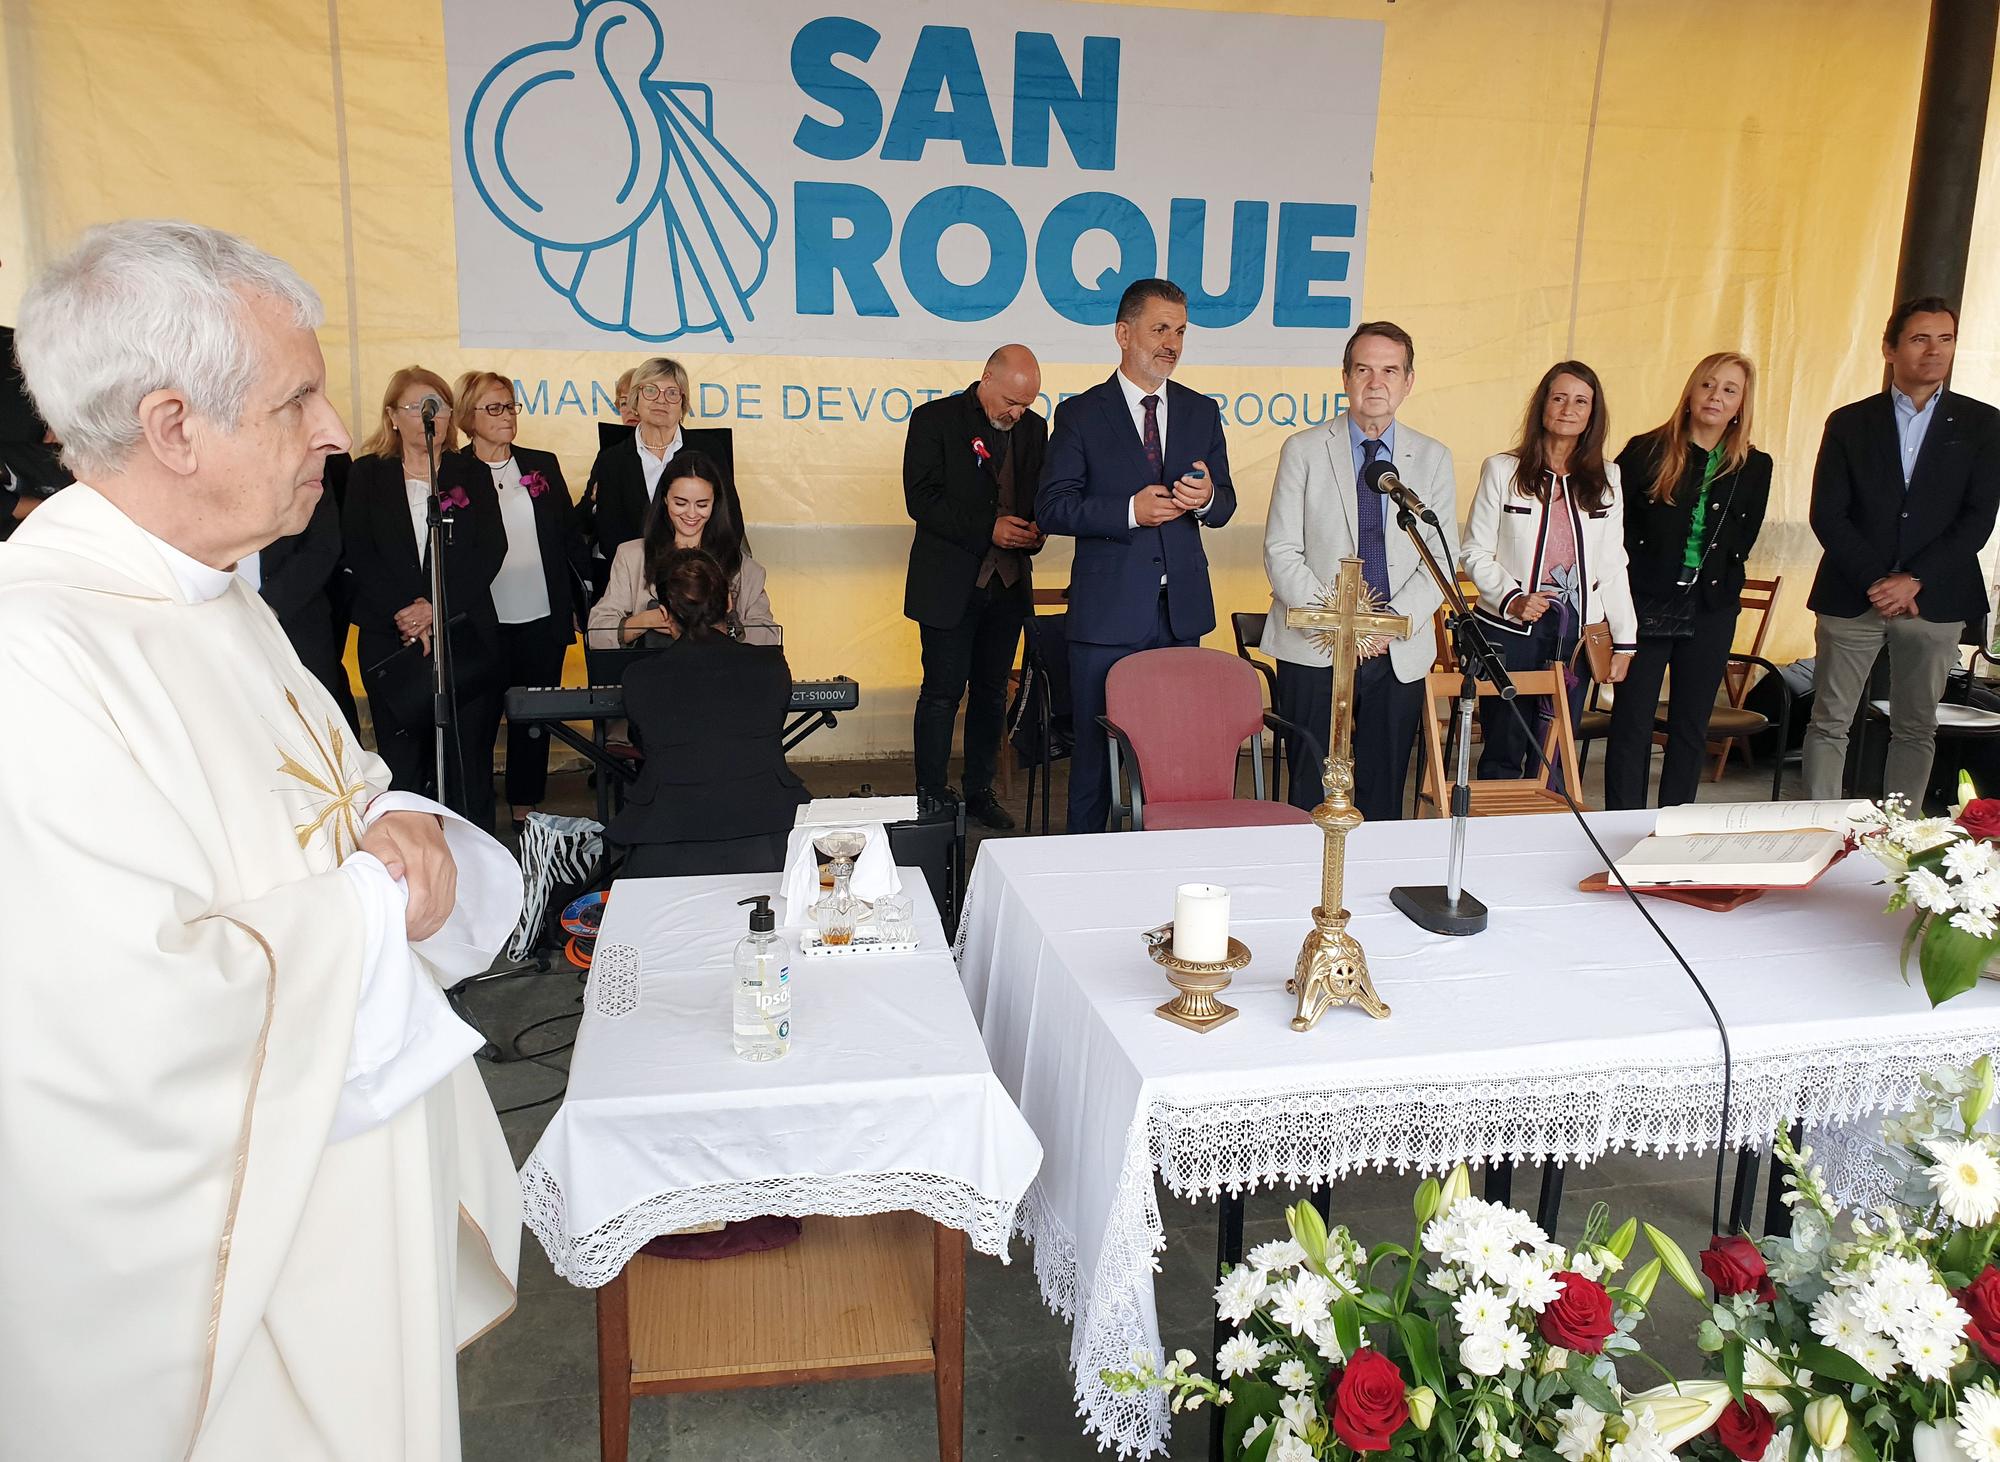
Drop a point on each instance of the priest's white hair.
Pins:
(142, 306)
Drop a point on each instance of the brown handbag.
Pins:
(1595, 648)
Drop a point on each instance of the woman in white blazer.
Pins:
(1545, 543)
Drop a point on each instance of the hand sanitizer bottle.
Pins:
(763, 1024)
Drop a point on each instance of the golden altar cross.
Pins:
(1332, 970)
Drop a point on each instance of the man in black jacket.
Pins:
(296, 577)
(1903, 500)
(971, 463)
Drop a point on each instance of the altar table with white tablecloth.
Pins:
(1564, 1032)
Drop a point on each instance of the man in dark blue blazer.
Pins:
(1136, 467)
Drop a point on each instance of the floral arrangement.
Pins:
(1881, 1344)
(1948, 870)
(1482, 1339)
(537, 483)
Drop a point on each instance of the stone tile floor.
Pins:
(528, 1389)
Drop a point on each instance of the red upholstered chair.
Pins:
(1177, 718)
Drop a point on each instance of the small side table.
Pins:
(853, 1297)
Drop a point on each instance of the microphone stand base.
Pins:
(1432, 908)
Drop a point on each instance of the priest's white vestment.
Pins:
(196, 1258)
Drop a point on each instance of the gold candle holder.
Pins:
(1195, 1006)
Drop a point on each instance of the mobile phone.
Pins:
(1196, 473)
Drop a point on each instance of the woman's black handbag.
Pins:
(1667, 618)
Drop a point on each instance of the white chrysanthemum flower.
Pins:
(1929, 1355)
(1299, 1411)
(1579, 1428)
(1238, 1356)
(1278, 1254)
(1966, 860)
(1481, 1354)
(1966, 1180)
(1981, 893)
(1532, 1285)
(1835, 1321)
(1780, 1449)
(1484, 1249)
(1979, 1423)
(1301, 1303)
(1978, 925)
(1481, 1311)
(1875, 1354)
(1439, 1234)
(1588, 1265)
(1937, 1311)
(1514, 1351)
(1240, 1292)
(1929, 892)
(1293, 1376)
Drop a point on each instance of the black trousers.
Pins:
(1386, 712)
(1697, 663)
(410, 750)
(969, 661)
(530, 654)
(1506, 754)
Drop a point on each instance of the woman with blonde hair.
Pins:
(538, 597)
(1699, 493)
(386, 540)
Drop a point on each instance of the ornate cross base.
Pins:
(1331, 971)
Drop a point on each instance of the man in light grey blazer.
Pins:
(1321, 513)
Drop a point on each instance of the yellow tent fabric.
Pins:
(1634, 183)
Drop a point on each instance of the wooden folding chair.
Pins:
(1731, 725)
(1506, 796)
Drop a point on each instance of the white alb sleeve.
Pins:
(406, 1037)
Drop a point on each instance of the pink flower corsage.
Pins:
(456, 498)
(535, 482)
(981, 453)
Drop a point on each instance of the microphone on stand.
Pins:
(1380, 476)
(433, 407)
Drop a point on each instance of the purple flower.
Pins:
(456, 498)
(535, 482)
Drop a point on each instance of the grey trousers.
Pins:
(1922, 655)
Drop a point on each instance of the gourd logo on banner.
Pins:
(771, 178)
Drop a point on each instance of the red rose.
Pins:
(1369, 1404)
(1745, 1428)
(1981, 1300)
(1734, 1266)
(1981, 818)
(1580, 1317)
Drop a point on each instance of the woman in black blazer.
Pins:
(715, 794)
(626, 476)
(538, 597)
(1696, 491)
(385, 544)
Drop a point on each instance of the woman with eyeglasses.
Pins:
(537, 594)
(385, 531)
(627, 475)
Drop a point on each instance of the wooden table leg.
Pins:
(948, 1342)
(614, 1371)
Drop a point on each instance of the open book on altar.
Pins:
(1740, 845)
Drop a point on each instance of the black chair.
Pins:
(935, 842)
(1041, 723)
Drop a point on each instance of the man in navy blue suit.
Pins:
(1136, 467)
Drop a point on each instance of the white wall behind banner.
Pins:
(904, 180)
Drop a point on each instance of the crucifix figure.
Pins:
(1332, 970)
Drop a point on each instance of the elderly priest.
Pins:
(256, 1195)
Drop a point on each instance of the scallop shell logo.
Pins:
(653, 229)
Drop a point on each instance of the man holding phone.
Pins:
(1136, 469)
(970, 465)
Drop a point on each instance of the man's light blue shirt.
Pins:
(1357, 437)
(1912, 425)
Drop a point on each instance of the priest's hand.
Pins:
(411, 846)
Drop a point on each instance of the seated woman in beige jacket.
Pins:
(691, 511)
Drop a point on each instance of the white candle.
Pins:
(1201, 923)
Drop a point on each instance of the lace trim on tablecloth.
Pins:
(593, 1260)
(1300, 1138)
(614, 981)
